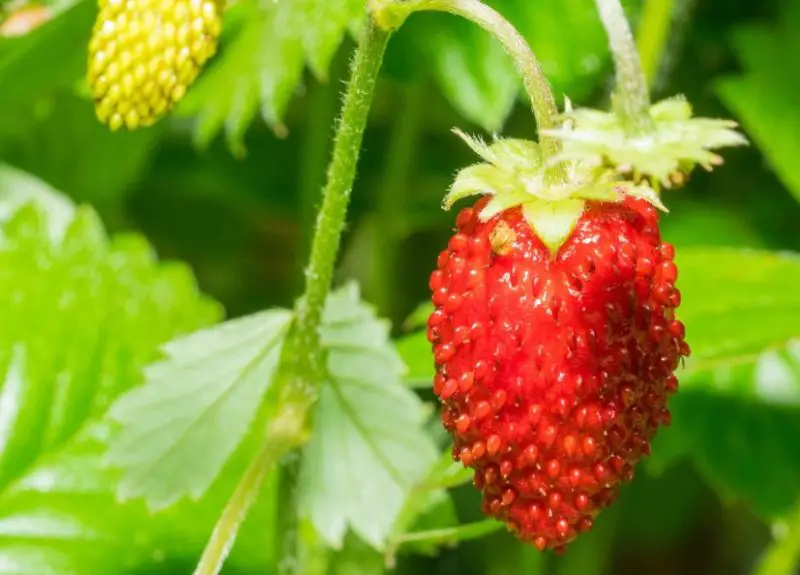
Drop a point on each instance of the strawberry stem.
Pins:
(304, 357)
(390, 14)
(631, 96)
(284, 433)
(335, 199)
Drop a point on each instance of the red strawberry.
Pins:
(555, 341)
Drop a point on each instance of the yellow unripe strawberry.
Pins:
(144, 55)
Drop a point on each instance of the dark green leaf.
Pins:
(261, 63)
(52, 56)
(480, 80)
(747, 450)
(763, 96)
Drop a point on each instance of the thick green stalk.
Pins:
(652, 34)
(287, 429)
(631, 96)
(391, 13)
(308, 356)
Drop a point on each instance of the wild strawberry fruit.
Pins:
(555, 339)
(144, 54)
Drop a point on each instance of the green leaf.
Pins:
(762, 97)
(97, 166)
(49, 57)
(415, 349)
(740, 311)
(369, 447)
(175, 443)
(262, 57)
(81, 317)
(746, 450)
(18, 188)
(480, 80)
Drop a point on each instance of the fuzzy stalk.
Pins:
(287, 429)
(390, 14)
(308, 356)
(631, 95)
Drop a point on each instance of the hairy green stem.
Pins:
(308, 356)
(285, 433)
(287, 428)
(652, 35)
(391, 194)
(782, 557)
(631, 97)
(391, 13)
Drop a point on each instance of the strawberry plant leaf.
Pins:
(737, 412)
(99, 165)
(51, 56)
(114, 304)
(746, 450)
(738, 334)
(415, 349)
(174, 444)
(18, 188)
(263, 53)
(369, 447)
(762, 97)
(479, 79)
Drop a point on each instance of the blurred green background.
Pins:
(237, 203)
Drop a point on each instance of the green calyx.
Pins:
(514, 174)
(665, 154)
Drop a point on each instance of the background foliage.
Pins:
(230, 186)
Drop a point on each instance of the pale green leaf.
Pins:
(196, 406)
(18, 188)
(369, 447)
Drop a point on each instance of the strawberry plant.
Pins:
(590, 367)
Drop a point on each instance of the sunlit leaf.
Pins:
(369, 447)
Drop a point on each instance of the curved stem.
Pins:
(632, 98)
(391, 13)
(284, 434)
(652, 34)
(308, 357)
(783, 555)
